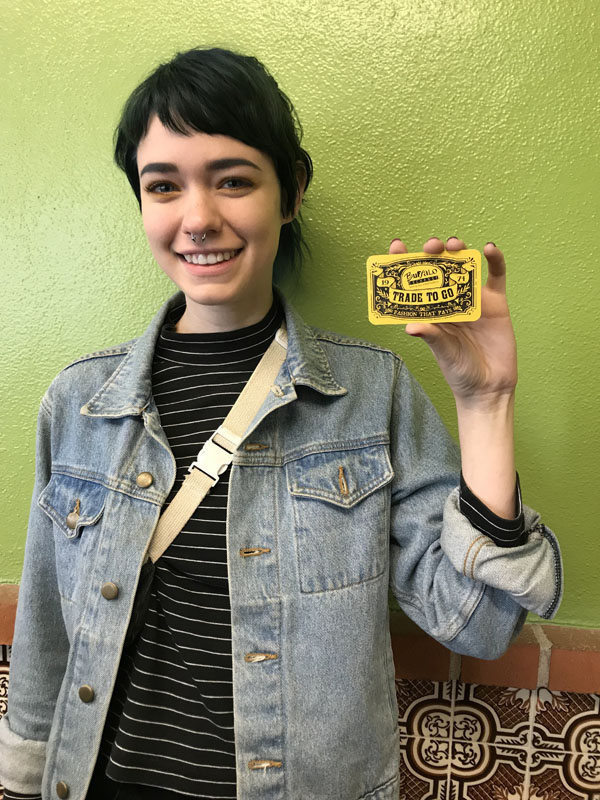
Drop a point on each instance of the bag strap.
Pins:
(217, 453)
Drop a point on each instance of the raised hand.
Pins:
(478, 359)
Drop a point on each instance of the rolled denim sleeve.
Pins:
(449, 577)
(40, 646)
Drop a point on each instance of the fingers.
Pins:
(398, 246)
(496, 267)
(454, 243)
(436, 245)
(433, 245)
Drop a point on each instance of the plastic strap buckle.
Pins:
(213, 459)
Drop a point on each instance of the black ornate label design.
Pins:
(422, 287)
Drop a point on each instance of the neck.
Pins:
(199, 318)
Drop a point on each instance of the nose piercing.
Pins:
(193, 235)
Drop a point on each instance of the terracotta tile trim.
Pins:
(557, 657)
(8, 608)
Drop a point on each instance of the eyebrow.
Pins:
(212, 166)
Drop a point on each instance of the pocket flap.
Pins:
(342, 477)
(65, 495)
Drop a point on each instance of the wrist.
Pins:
(492, 404)
(487, 452)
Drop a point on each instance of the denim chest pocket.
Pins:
(341, 516)
(75, 506)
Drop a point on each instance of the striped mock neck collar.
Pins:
(208, 348)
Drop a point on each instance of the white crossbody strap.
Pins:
(217, 453)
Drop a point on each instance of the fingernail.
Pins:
(452, 237)
(491, 243)
(396, 240)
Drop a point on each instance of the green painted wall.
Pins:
(423, 117)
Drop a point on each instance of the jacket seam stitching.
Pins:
(119, 350)
(479, 549)
(68, 474)
(350, 342)
(557, 572)
(354, 497)
(333, 447)
(465, 562)
(371, 793)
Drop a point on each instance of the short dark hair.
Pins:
(217, 91)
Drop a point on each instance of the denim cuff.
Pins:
(23, 760)
(531, 573)
(504, 532)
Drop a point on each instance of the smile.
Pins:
(209, 258)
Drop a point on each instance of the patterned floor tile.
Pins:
(424, 708)
(566, 721)
(566, 776)
(565, 758)
(436, 769)
(3, 688)
(491, 714)
(3, 696)
(482, 772)
(424, 766)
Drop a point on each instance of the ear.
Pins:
(301, 181)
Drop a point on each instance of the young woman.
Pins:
(255, 661)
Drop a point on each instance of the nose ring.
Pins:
(193, 235)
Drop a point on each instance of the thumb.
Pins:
(424, 330)
(441, 345)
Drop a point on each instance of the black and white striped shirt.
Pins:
(170, 723)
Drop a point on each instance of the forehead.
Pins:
(162, 144)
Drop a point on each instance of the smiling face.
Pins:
(221, 187)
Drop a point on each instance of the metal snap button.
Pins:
(62, 789)
(144, 480)
(109, 591)
(86, 693)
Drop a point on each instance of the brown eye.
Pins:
(235, 183)
(160, 187)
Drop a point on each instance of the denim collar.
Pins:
(128, 391)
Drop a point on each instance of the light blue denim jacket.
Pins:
(347, 479)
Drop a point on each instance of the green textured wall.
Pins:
(423, 117)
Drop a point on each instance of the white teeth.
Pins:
(210, 258)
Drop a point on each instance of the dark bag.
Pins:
(140, 603)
